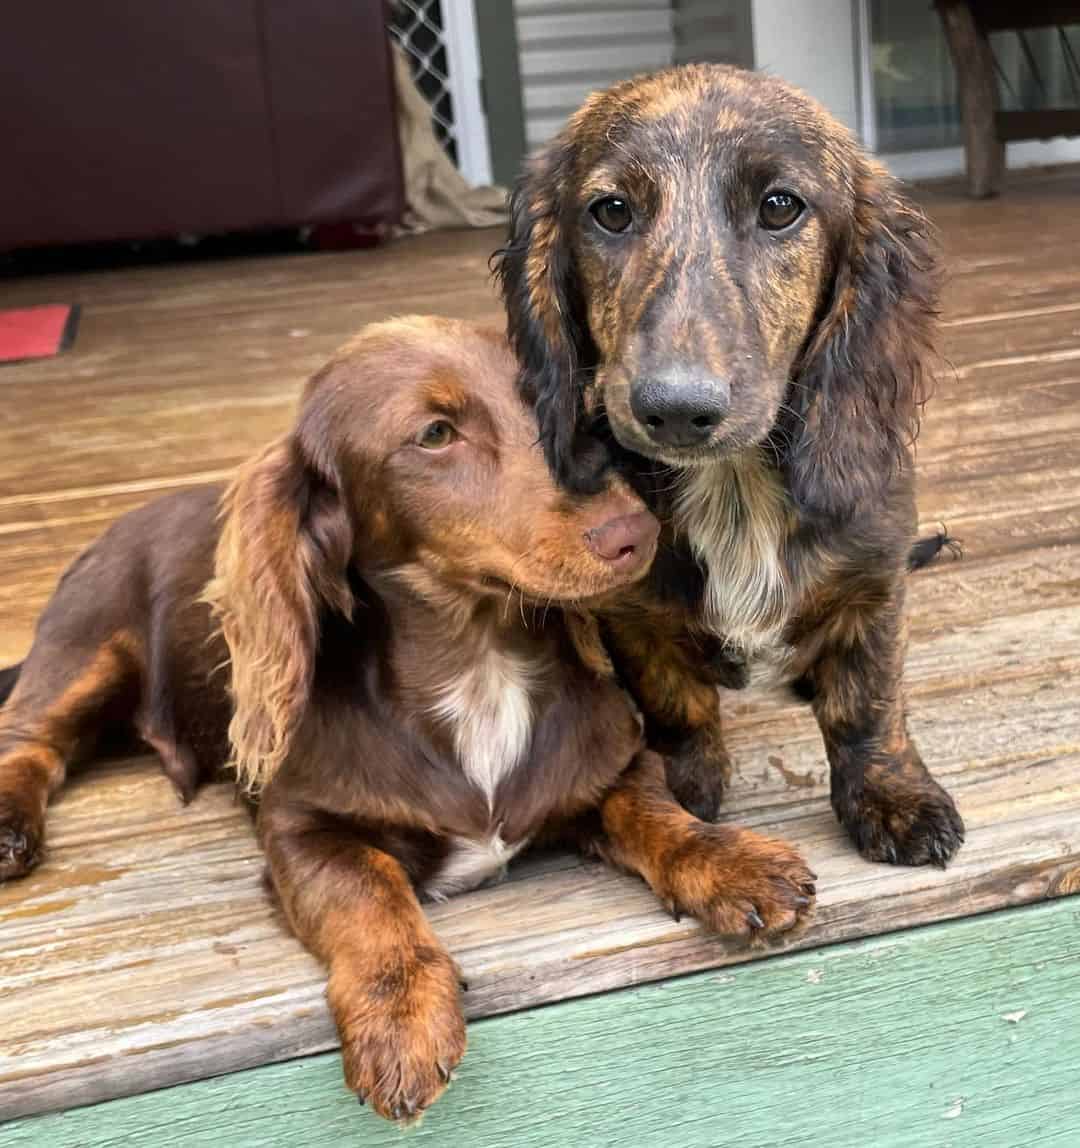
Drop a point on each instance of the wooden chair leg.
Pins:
(970, 49)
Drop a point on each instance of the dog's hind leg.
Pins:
(64, 693)
(9, 675)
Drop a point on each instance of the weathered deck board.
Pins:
(976, 1019)
(145, 952)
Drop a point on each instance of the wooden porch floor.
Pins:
(144, 951)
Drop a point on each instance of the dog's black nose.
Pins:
(680, 413)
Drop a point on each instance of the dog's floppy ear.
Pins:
(546, 322)
(863, 376)
(282, 559)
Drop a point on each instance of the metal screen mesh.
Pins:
(418, 26)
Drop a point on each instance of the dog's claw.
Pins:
(444, 1072)
(754, 918)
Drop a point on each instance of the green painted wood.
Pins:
(960, 1034)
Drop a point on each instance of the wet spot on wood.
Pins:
(791, 778)
(38, 910)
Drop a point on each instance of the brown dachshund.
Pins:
(407, 719)
(709, 279)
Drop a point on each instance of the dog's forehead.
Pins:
(437, 361)
(716, 117)
(393, 374)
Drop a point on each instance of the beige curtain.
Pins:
(436, 193)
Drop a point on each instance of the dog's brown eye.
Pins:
(436, 435)
(612, 213)
(780, 209)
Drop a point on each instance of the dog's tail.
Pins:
(926, 550)
(8, 677)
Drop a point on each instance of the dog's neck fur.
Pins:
(488, 707)
(478, 680)
(736, 518)
(478, 676)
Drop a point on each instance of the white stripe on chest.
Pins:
(489, 709)
(734, 515)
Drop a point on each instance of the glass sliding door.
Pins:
(913, 87)
(913, 103)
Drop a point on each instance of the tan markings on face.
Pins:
(788, 291)
(737, 305)
(538, 278)
(444, 391)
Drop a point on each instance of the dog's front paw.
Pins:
(737, 882)
(20, 838)
(697, 774)
(402, 1029)
(901, 815)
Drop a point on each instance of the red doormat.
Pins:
(36, 332)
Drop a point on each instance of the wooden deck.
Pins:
(144, 952)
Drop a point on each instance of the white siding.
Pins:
(812, 46)
(569, 50)
(716, 31)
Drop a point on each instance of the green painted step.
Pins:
(959, 1034)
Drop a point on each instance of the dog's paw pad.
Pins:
(400, 1049)
(904, 822)
(20, 845)
(740, 883)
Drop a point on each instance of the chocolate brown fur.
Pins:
(355, 611)
(803, 355)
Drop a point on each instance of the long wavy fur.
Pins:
(281, 559)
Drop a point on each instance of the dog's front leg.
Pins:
(735, 881)
(883, 795)
(393, 989)
(674, 685)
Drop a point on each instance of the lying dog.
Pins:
(705, 269)
(407, 723)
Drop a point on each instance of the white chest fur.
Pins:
(471, 862)
(734, 515)
(489, 709)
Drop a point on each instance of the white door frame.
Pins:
(466, 91)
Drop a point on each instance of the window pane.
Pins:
(914, 90)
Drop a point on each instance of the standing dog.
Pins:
(706, 269)
(407, 726)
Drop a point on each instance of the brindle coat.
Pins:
(707, 277)
(407, 716)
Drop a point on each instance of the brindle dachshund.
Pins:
(406, 721)
(705, 268)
